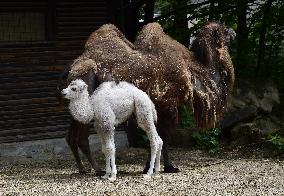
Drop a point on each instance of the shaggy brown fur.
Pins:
(166, 70)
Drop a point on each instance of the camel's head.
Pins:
(214, 78)
(218, 33)
(75, 89)
(210, 38)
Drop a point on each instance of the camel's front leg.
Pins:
(72, 138)
(166, 125)
(106, 132)
(85, 147)
(107, 157)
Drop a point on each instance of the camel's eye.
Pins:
(73, 89)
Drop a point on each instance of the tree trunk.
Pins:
(261, 69)
(149, 11)
(211, 10)
(131, 19)
(180, 25)
(242, 33)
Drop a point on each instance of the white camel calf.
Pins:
(110, 105)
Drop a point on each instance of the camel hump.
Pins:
(150, 33)
(153, 27)
(107, 32)
(153, 39)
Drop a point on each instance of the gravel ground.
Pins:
(201, 174)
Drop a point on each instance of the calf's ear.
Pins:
(83, 87)
(231, 34)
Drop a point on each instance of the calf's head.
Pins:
(75, 89)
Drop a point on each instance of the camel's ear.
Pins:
(231, 34)
(83, 87)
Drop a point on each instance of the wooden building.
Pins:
(38, 39)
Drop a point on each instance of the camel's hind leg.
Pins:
(154, 151)
(147, 124)
(158, 157)
(146, 117)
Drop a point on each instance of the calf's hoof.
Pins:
(112, 178)
(146, 177)
(156, 174)
(145, 170)
(106, 176)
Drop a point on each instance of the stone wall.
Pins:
(50, 149)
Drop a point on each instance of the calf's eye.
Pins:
(73, 89)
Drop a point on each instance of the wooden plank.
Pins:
(82, 8)
(78, 23)
(38, 123)
(40, 136)
(29, 106)
(19, 91)
(34, 130)
(29, 79)
(31, 111)
(32, 84)
(79, 3)
(30, 96)
(25, 73)
(10, 122)
(27, 101)
(32, 124)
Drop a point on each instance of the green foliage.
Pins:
(278, 142)
(208, 140)
(186, 119)
(140, 139)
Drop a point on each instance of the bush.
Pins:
(278, 142)
(208, 140)
(186, 119)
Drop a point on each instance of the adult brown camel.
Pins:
(200, 78)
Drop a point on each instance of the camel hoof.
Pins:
(171, 169)
(84, 171)
(99, 173)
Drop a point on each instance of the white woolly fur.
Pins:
(110, 105)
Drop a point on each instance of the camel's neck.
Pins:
(81, 108)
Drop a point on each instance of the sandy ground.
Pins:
(201, 174)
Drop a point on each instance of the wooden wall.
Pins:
(29, 72)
